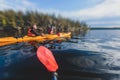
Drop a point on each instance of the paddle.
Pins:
(46, 57)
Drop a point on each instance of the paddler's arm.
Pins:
(35, 32)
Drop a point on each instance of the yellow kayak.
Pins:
(12, 40)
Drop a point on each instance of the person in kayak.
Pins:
(33, 31)
(51, 29)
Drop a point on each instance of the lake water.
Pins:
(93, 57)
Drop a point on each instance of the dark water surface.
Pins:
(95, 57)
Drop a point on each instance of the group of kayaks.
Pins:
(11, 40)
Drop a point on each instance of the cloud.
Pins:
(108, 8)
(104, 23)
(3, 5)
(25, 2)
(102, 9)
(17, 5)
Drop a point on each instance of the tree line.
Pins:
(28, 18)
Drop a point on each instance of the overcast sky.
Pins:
(96, 13)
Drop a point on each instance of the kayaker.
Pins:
(48, 29)
(59, 29)
(33, 31)
(52, 29)
(66, 28)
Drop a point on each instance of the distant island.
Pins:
(105, 28)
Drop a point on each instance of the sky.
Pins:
(96, 13)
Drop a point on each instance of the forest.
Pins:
(16, 19)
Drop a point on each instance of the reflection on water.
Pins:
(95, 57)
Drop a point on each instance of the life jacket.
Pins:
(29, 33)
(58, 33)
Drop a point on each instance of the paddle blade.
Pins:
(46, 57)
